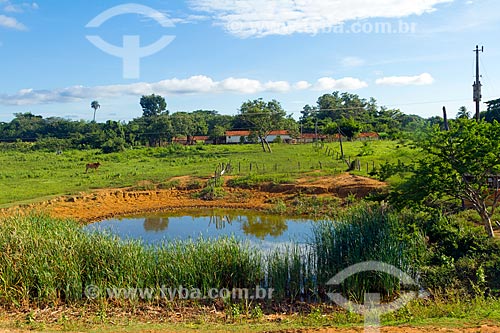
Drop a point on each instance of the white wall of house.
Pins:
(272, 137)
(233, 139)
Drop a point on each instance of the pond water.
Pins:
(264, 231)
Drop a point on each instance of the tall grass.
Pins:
(49, 261)
(365, 234)
(358, 235)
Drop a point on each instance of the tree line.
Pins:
(336, 113)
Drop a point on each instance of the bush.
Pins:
(113, 145)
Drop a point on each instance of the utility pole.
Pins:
(477, 85)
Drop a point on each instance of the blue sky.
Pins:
(412, 55)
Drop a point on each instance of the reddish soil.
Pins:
(106, 203)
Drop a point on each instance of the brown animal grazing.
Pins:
(92, 166)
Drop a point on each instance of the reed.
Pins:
(49, 261)
(360, 235)
(46, 261)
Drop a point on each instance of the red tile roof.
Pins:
(247, 133)
(279, 132)
(312, 136)
(368, 135)
(200, 137)
(237, 133)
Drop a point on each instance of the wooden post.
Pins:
(341, 147)
(445, 117)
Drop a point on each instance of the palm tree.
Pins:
(95, 105)
(463, 113)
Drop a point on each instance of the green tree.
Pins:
(263, 117)
(493, 111)
(463, 113)
(349, 127)
(153, 105)
(462, 163)
(216, 133)
(95, 105)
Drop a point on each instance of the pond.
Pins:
(264, 231)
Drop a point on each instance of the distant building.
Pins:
(282, 134)
(367, 136)
(236, 136)
(241, 136)
(311, 137)
(202, 139)
(183, 140)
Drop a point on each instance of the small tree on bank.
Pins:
(462, 163)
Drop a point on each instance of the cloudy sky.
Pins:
(58, 56)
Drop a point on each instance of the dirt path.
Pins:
(409, 329)
(107, 203)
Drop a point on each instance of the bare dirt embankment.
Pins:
(106, 203)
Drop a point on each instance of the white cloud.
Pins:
(418, 80)
(189, 19)
(245, 86)
(19, 8)
(258, 18)
(11, 23)
(10, 8)
(199, 84)
(347, 83)
(352, 62)
(302, 85)
(277, 86)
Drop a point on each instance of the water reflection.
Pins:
(220, 221)
(156, 223)
(262, 226)
(264, 230)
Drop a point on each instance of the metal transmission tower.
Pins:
(477, 85)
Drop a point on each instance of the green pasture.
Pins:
(28, 175)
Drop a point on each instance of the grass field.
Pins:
(30, 175)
